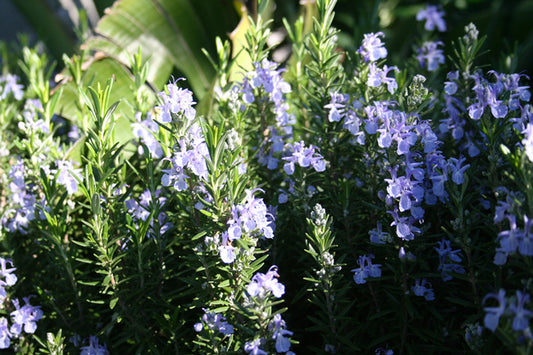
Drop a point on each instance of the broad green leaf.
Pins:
(170, 33)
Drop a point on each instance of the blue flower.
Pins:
(145, 130)
(11, 86)
(5, 335)
(305, 157)
(372, 48)
(262, 283)
(522, 315)
(94, 348)
(422, 288)
(433, 18)
(527, 141)
(525, 245)
(176, 101)
(377, 235)
(252, 347)
(10, 277)
(492, 317)
(226, 250)
(430, 55)
(366, 269)
(68, 176)
(448, 260)
(214, 321)
(279, 333)
(509, 239)
(25, 317)
(378, 76)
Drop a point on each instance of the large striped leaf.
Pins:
(171, 35)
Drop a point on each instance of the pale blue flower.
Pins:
(434, 18)
(214, 321)
(430, 55)
(366, 269)
(7, 273)
(176, 101)
(5, 335)
(522, 315)
(280, 334)
(11, 85)
(25, 317)
(94, 348)
(68, 176)
(252, 347)
(422, 288)
(372, 48)
(492, 317)
(261, 283)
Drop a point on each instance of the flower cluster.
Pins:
(251, 218)
(504, 98)
(214, 321)
(142, 209)
(176, 102)
(24, 318)
(261, 284)
(11, 85)
(430, 55)
(94, 348)
(22, 201)
(434, 18)
(366, 269)
(260, 289)
(266, 83)
(146, 131)
(422, 288)
(449, 260)
(304, 157)
(372, 48)
(513, 306)
(191, 152)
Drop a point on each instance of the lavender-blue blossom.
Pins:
(252, 347)
(430, 55)
(68, 176)
(449, 260)
(262, 283)
(25, 317)
(94, 348)
(434, 18)
(521, 314)
(493, 314)
(177, 101)
(11, 85)
(214, 321)
(280, 334)
(145, 130)
(422, 288)
(372, 48)
(366, 269)
(304, 156)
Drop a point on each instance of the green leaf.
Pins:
(170, 33)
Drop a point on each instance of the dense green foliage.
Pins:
(371, 194)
